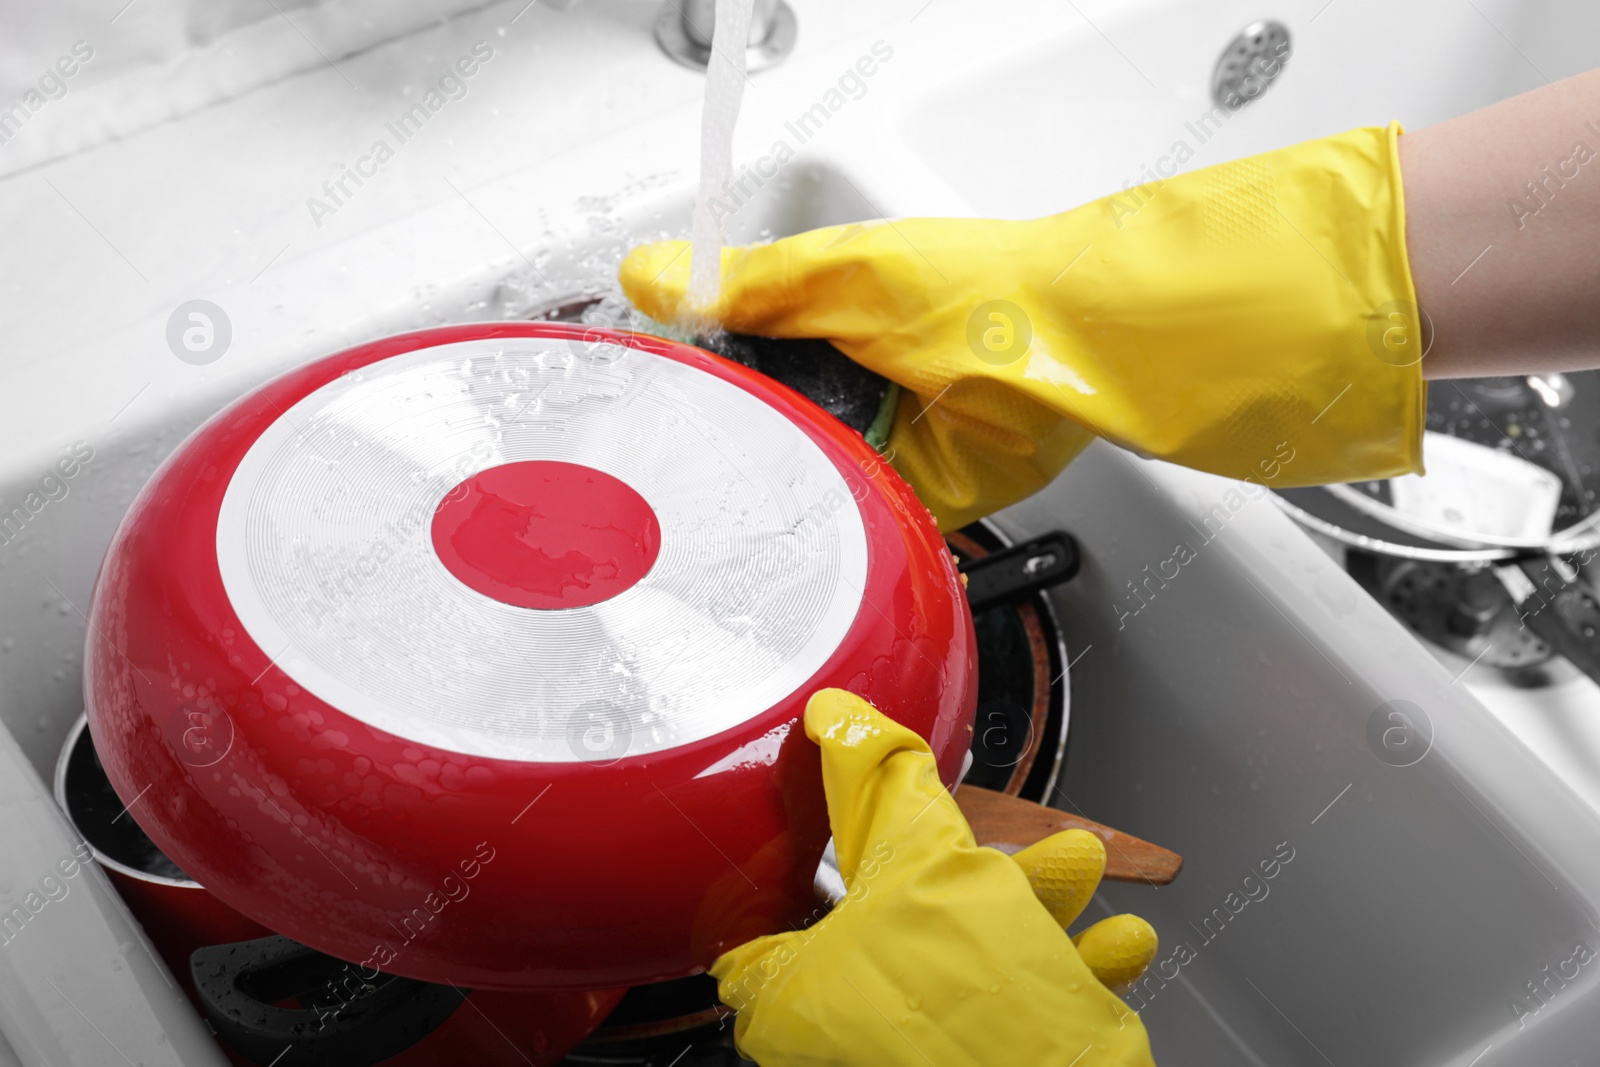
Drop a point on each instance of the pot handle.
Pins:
(1018, 572)
(346, 1019)
(1554, 602)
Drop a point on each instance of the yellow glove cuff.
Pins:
(1255, 319)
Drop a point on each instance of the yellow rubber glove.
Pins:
(940, 952)
(1255, 319)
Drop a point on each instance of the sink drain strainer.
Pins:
(1250, 64)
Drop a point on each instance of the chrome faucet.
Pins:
(684, 32)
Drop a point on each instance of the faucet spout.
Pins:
(684, 32)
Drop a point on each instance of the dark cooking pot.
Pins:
(185, 922)
(477, 655)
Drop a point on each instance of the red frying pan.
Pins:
(477, 655)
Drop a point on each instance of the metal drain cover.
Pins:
(1250, 64)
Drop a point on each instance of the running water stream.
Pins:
(725, 78)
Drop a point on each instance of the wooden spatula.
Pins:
(1012, 824)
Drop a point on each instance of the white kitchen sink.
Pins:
(1230, 718)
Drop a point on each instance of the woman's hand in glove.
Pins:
(1255, 319)
(941, 952)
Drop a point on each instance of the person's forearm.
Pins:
(1503, 232)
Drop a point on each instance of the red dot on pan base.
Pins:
(546, 535)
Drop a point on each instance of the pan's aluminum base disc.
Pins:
(537, 641)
